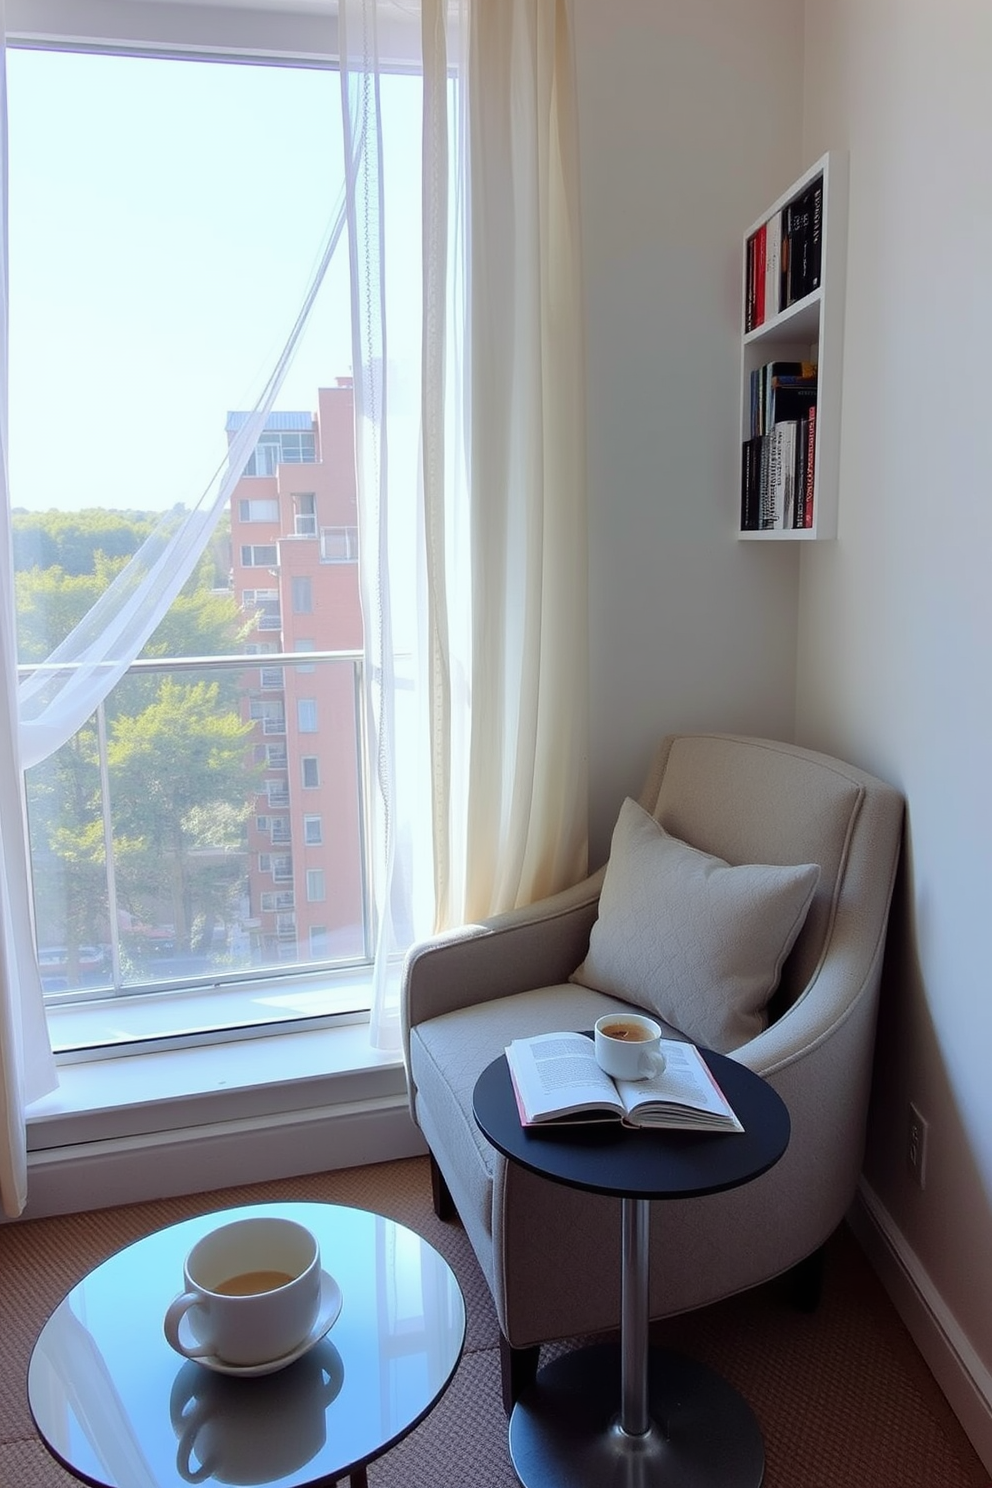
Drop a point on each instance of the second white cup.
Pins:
(628, 1046)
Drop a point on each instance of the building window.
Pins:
(302, 595)
(315, 885)
(269, 712)
(281, 447)
(276, 899)
(306, 715)
(304, 666)
(277, 792)
(313, 834)
(339, 544)
(259, 555)
(258, 511)
(266, 607)
(306, 514)
(318, 942)
(310, 771)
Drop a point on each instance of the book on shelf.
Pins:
(754, 268)
(764, 477)
(789, 401)
(773, 265)
(802, 239)
(802, 455)
(816, 236)
(785, 496)
(750, 472)
(810, 471)
(765, 385)
(556, 1080)
(778, 475)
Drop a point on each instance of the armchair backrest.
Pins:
(759, 801)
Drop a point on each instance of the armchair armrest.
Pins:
(538, 945)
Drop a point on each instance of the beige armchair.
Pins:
(550, 1254)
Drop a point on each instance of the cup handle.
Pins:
(184, 1457)
(174, 1314)
(652, 1063)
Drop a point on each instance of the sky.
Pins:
(165, 220)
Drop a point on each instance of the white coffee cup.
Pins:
(252, 1292)
(628, 1046)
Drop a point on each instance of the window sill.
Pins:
(246, 1079)
(105, 1026)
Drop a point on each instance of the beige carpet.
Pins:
(843, 1398)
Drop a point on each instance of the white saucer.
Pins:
(330, 1306)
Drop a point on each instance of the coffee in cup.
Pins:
(628, 1046)
(252, 1292)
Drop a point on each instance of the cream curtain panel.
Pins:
(487, 651)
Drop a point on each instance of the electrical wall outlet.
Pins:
(916, 1146)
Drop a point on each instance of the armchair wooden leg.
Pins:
(806, 1281)
(518, 1370)
(444, 1204)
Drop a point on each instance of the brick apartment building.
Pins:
(294, 540)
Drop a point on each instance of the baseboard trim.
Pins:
(955, 1365)
(127, 1170)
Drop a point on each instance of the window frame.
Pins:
(264, 32)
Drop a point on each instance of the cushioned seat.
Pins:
(551, 1254)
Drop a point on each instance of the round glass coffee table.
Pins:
(634, 1416)
(119, 1409)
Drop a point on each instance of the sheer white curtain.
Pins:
(41, 713)
(27, 1069)
(477, 661)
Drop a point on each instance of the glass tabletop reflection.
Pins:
(120, 1409)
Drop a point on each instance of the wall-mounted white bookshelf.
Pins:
(792, 346)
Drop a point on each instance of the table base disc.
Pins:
(564, 1432)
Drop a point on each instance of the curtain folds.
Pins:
(27, 1069)
(489, 637)
(527, 786)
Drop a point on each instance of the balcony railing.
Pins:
(145, 836)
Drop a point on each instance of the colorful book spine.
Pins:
(810, 466)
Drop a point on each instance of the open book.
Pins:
(556, 1079)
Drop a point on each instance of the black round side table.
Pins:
(637, 1417)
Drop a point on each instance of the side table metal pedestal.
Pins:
(678, 1423)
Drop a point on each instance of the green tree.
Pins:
(179, 774)
(69, 540)
(184, 740)
(201, 621)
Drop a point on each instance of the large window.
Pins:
(150, 266)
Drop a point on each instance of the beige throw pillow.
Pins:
(690, 938)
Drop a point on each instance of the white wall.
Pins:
(895, 655)
(680, 121)
(694, 114)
